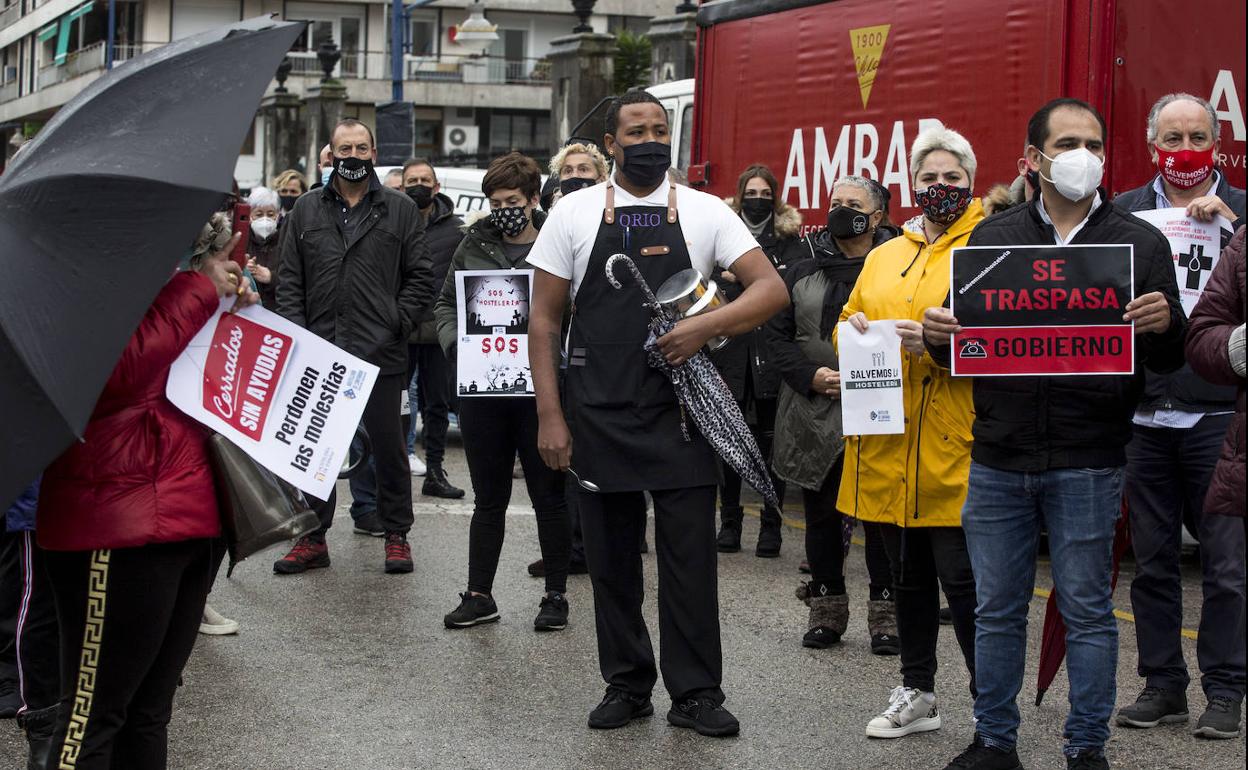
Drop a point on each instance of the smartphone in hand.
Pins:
(242, 224)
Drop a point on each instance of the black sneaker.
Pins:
(1220, 720)
(473, 610)
(553, 614)
(438, 485)
(1087, 760)
(1153, 707)
(369, 524)
(704, 715)
(618, 708)
(981, 756)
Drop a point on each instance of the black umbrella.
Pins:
(702, 394)
(95, 214)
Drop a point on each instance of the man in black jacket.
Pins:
(432, 390)
(1179, 428)
(1051, 451)
(355, 271)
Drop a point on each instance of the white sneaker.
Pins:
(216, 624)
(416, 464)
(909, 711)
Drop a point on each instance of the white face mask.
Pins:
(264, 227)
(1076, 173)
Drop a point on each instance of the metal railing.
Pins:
(444, 68)
(79, 62)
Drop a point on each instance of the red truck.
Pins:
(819, 89)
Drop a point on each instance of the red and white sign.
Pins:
(283, 395)
(242, 372)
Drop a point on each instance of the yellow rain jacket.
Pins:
(917, 478)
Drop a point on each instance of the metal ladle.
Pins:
(589, 485)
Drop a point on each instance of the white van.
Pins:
(677, 99)
(461, 185)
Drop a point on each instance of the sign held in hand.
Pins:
(872, 399)
(1042, 310)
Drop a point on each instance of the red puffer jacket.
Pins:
(141, 474)
(1219, 311)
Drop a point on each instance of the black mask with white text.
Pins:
(353, 169)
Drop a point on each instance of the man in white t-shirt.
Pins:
(623, 418)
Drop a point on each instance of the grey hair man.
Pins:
(1179, 426)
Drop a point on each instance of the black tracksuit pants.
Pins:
(32, 648)
(128, 617)
(925, 560)
(688, 591)
(495, 430)
(394, 480)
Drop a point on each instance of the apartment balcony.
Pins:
(444, 68)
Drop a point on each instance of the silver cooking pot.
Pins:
(687, 294)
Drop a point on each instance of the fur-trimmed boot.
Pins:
(829, 616)
(882, 623)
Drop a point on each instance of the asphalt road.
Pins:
(350, 668)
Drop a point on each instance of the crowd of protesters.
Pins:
(955, 504)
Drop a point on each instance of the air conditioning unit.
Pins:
(460, 140)
(10, 74)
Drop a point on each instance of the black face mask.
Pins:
(353, 169)
(845, 223)
(421, 194)
(757, 209)
(511, 220)
(574, 183)
(646, 164)
(288, 201)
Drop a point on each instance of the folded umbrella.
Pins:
(703, 394)
(97, 211)
(1053, 636)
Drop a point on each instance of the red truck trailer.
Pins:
(817, 89)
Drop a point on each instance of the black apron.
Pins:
(623, 414)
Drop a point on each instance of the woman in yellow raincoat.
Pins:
(914, 483)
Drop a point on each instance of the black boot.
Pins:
(39, 726)
(769, 536)
(729, 540)
(438, 485)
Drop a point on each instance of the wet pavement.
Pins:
(347, 667)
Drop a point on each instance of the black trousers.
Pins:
(33, 649)
(495, 430)
(1168, 471)
(924, 560)
(433, 396)
(394, 482)
(128, 619)
(825, 540)
(688, 591)
(763, 426)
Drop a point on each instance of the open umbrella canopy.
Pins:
(95, 214)
(703, 394)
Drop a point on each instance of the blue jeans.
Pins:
(1002, 518)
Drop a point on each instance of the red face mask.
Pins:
(1186, 168)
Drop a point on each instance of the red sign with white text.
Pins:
(242, 372)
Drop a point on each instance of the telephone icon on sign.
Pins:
(973, 347)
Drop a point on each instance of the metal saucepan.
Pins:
(687, 294)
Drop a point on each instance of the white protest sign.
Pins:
(492, 308)
(872, 401)
(1194, 247)
(283, 395)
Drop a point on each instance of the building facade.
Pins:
(471, 101)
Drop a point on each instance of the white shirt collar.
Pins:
(1160, 189)
(656, 197)
(1044, 215)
